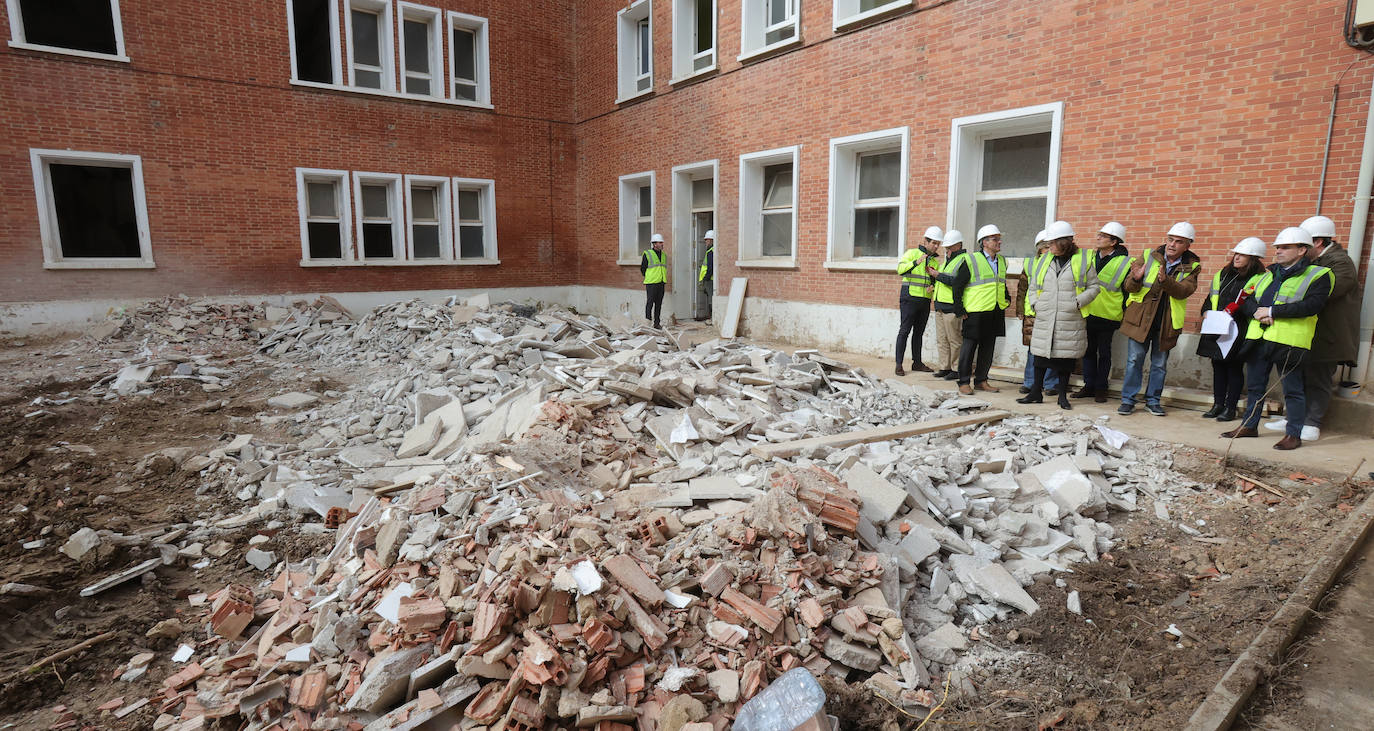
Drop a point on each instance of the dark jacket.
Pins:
(1139, 317)
(1232, 282)
(1338, 327)
(1311, 304)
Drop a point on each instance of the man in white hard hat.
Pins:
(914, 300)
(654, 266)
(1337, 337)
(1112, 263)
(706, 276)
(947, 337)
(1157, 291)
(1284, 309)
(979, 288)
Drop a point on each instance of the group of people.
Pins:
(654, 267)
(1298, 316)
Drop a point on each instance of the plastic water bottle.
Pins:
(792, 700)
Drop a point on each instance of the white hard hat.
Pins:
(1183, 230)
(935, 234)
(1293, 235)
(1112, 228)
(952, 237)
(988, 230)
(1058, 230)
(1040, 236)
(1252, 245)
(710, 235)
(656, 239)
(1320, 227)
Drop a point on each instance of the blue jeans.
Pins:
(1028, 378)
(1135, 366)
(1294, 388)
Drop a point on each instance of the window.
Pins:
(314, 29)
(766, 25)
(79, 27)
(768, 205)
(475, 202)
(848, 12)
(91, 210)
(468, 58)
(636, 215)
(694, 37)
(369, 45)
(422, 51)
(635, 50)
(868, 196)
(427, 218)
(322, 198)
(380, 233)
(1004, 170)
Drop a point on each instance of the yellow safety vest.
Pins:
(656, 272)
(1296, 332)
(915, 282)
(1108, 302)
(986, 289)
(1212, 296)
(1041, 265)
(1177, 306)
(701, 275)
(943, 292)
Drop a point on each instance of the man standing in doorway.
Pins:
(979, 288)
(914, 301)
(706, 277)
(653, 265)
(1157, 290)
(947, 336)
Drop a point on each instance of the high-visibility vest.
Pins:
(1108, 304)
(701, 275)
(1215, 294)
(986, 289)
(657, 271)
(943, 292)
(1296, 332)
(1176, 306)
(912, 266)
(1079, 265)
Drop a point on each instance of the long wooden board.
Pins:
(730, 325)
(876, 434)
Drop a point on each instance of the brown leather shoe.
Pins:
(1288, 442)
(921, 368)
(899, 370)
(985, 386)
(1240, 431)
(965, 389)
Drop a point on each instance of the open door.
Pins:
(693, 213)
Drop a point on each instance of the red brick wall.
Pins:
(206, 102)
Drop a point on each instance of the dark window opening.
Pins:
(81, 25)
(95, 210)
(377, 242)
(314, 42)
(470, 244)
(325, 240)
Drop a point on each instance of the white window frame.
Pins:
(754, 28)
(628, 214)
(684, 35)
(438, 82)
(627, 50)
(488, 188)
(844, 153)
(751, 180)
(48, 230)
(341, 179)
(334, 58)
(478, 26)
(398, 216)
(17, 39)
(846, 12)
(443, 199)
(386, 34)
(967, 135)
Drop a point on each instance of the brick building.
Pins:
(385, 146)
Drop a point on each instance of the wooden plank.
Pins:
(878, 434)
(730, 325)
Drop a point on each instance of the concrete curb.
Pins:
(1218, 711)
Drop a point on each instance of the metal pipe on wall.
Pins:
(1326, 153)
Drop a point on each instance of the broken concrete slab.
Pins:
(80, 543)
(293, 400)
(1065, 483)
(420, 439)
(386, 683)
(881, 499)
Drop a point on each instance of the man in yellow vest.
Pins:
(914, 300)
(979, 289)
(947, 336)
(1284, 307)
(654, 266)
(1157, 291)
(706, 276)
(1112, 263)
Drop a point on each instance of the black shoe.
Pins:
(1064, 401)
(941, 373)
(1227, 414)
(1084, 392)
(1033, 397)
(1052, 391)
(1025, 389)
(1213, 412)
(1101, 396)
(952, 376)
(899, 370)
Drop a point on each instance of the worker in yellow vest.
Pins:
(947, 335)
(1112, 263)
(654, 266)
(914, 300)
(706, 276)
(1157, 291)
(1283, 309)
(978, 287)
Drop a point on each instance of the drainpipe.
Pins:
(1357, 236)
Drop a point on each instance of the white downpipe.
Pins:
(1357, 235)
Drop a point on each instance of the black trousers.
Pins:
(975, 357)
(1097, 362)
(1228, 380)
(653, 302)
(915, 315)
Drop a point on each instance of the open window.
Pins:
(694, 37)
(768, 207)
(475, 209)
(635, 51)
(850, 12)
(90, 28)
(323, 200)
(370, 55)
(381, 235)
(767, 25)
(868, 184)
(314, 29)
(422, 51)
(468, 58)
(91, 210)
(636, 215)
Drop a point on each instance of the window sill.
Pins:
(694, 76)
(852, 20)
(390, 94)
(627, 262)
(100, 264)
(874, 264)
(69, 51)
(767, 50)
(379, 263)
(636, 95)
(780, 262)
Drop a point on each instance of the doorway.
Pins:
(694, 214)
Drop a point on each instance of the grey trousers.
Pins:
(1320, 380)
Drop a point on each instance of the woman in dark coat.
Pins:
(1232, 284)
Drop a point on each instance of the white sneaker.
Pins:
(1310, 433)
(1276, 425)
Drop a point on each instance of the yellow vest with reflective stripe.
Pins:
(943, 292)
(916, 282)
(1216, 288)
(1296, 332)
(986, 290)
(1079, 265)
(1177, 307)
(1108, 302)
(656, 272)
(701, 275)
